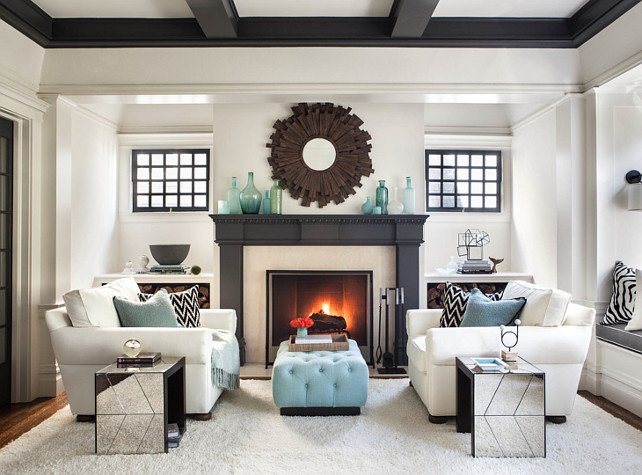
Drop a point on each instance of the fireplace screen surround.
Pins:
(337, 301)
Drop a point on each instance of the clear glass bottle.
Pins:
(276, 198)
(395, 206)
(266, 202)
(408, 197)
(250, 197)
(233, 199)
(382, 197)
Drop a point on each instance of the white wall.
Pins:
(20, 58)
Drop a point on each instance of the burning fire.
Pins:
(325, 308)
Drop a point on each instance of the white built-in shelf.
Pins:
(156, 278)
(431, 277)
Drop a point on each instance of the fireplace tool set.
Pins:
(390, 362)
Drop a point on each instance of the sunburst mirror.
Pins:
(320, 153)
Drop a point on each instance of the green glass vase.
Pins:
(381, 197)
(233, 198)
(250, 197)
(276, 198)
(302, 332)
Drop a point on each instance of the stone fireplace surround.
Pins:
(239, 235)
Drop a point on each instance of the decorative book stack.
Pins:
(169, 269)
(173, 436)
(142, 360)
(475, 266)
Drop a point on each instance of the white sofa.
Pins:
(81, 351)
(559, 351)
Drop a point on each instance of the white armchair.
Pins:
(559, 351)
(81, 352)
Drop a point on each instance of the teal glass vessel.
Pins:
(381, 199)
(266, 203)
(233, 199)
(408, 197)
(276, 198)
(250, 197)
(366, 207)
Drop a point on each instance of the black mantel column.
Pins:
(405, 232)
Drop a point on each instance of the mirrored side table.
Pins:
(135, 405)
(504, 412)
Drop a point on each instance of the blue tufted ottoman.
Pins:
(320, 383)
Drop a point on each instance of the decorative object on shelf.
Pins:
(266, 202)
(409, 197)
(131, 347)
(376, 210)
(381, 197)
(301, 324)
(471, 244)
(169, 254)
(195, 270)
(366, 207)
(142, 268)
(129, 268)
(495, 261)
(320, 153)
(450, 269)
(395, 206)
(510, 340)
(223, 207)
(634, 190)
(233, 199)
(276, 198)
(250, 197)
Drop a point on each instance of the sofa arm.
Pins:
(443, 345)
(97, 346)
(418, 322)
(567, 344)
(219, 319)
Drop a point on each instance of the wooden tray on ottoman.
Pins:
(339, 343)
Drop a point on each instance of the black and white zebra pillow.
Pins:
(623, 299)
(186, 306)
(455, 300)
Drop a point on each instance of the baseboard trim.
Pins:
(618, 392)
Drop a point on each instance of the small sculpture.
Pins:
(132, 348)
(142, 265)
(472, 241)
(510, 340)
(129, 268)
(495, 261)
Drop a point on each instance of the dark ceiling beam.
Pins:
(596, 15)
(411, 17)
(217, 18)
(28, 18)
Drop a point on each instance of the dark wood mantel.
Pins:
(233, 232)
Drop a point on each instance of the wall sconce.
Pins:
(634, 190)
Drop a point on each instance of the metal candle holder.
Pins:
(506, 337)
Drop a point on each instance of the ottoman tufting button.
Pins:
(349, 370)
(320, 370)
(291, 372)
(306, 385)
(335, 385)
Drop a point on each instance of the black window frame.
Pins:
(169, 151)
(470, 181)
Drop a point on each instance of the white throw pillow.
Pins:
(95, 307)
(636, 320)
(544, 307)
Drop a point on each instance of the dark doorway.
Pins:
(6, 222)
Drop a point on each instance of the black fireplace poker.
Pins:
(390, 360)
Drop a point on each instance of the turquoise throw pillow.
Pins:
(156, 312)
(483, 312)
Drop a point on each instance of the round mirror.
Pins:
(319, 154)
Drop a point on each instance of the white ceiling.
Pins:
(338, 8)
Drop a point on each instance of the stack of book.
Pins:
(142, 360)
(169, 269)
(475, 266)
(313, 339)
(173, 435)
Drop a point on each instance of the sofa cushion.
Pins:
(544, 306)
(186, 306)
(156, 312)
(94, 307)
(416, 350)
(622, 301)
(483, 312)
(617, 335)
(455, 300)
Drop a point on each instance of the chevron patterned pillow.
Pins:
(623, 299)
(455, 300)
(185, 306)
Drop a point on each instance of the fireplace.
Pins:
(337, 302)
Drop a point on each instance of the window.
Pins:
(458, 180)
(171, 180)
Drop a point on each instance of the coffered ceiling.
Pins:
(415, 23)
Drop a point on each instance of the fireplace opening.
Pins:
(337, 302)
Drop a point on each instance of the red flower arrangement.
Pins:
(301, 322)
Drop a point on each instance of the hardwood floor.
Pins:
(17, 419)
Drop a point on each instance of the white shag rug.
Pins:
(392, 435)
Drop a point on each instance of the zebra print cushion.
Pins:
(455, 300)
(185, 305)
(623, 299)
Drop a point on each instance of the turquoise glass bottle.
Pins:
(250, 197)
(366, 207)
(233, 198)
(381, 197)
(408, 197)
(276, 198)
(266, 203)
